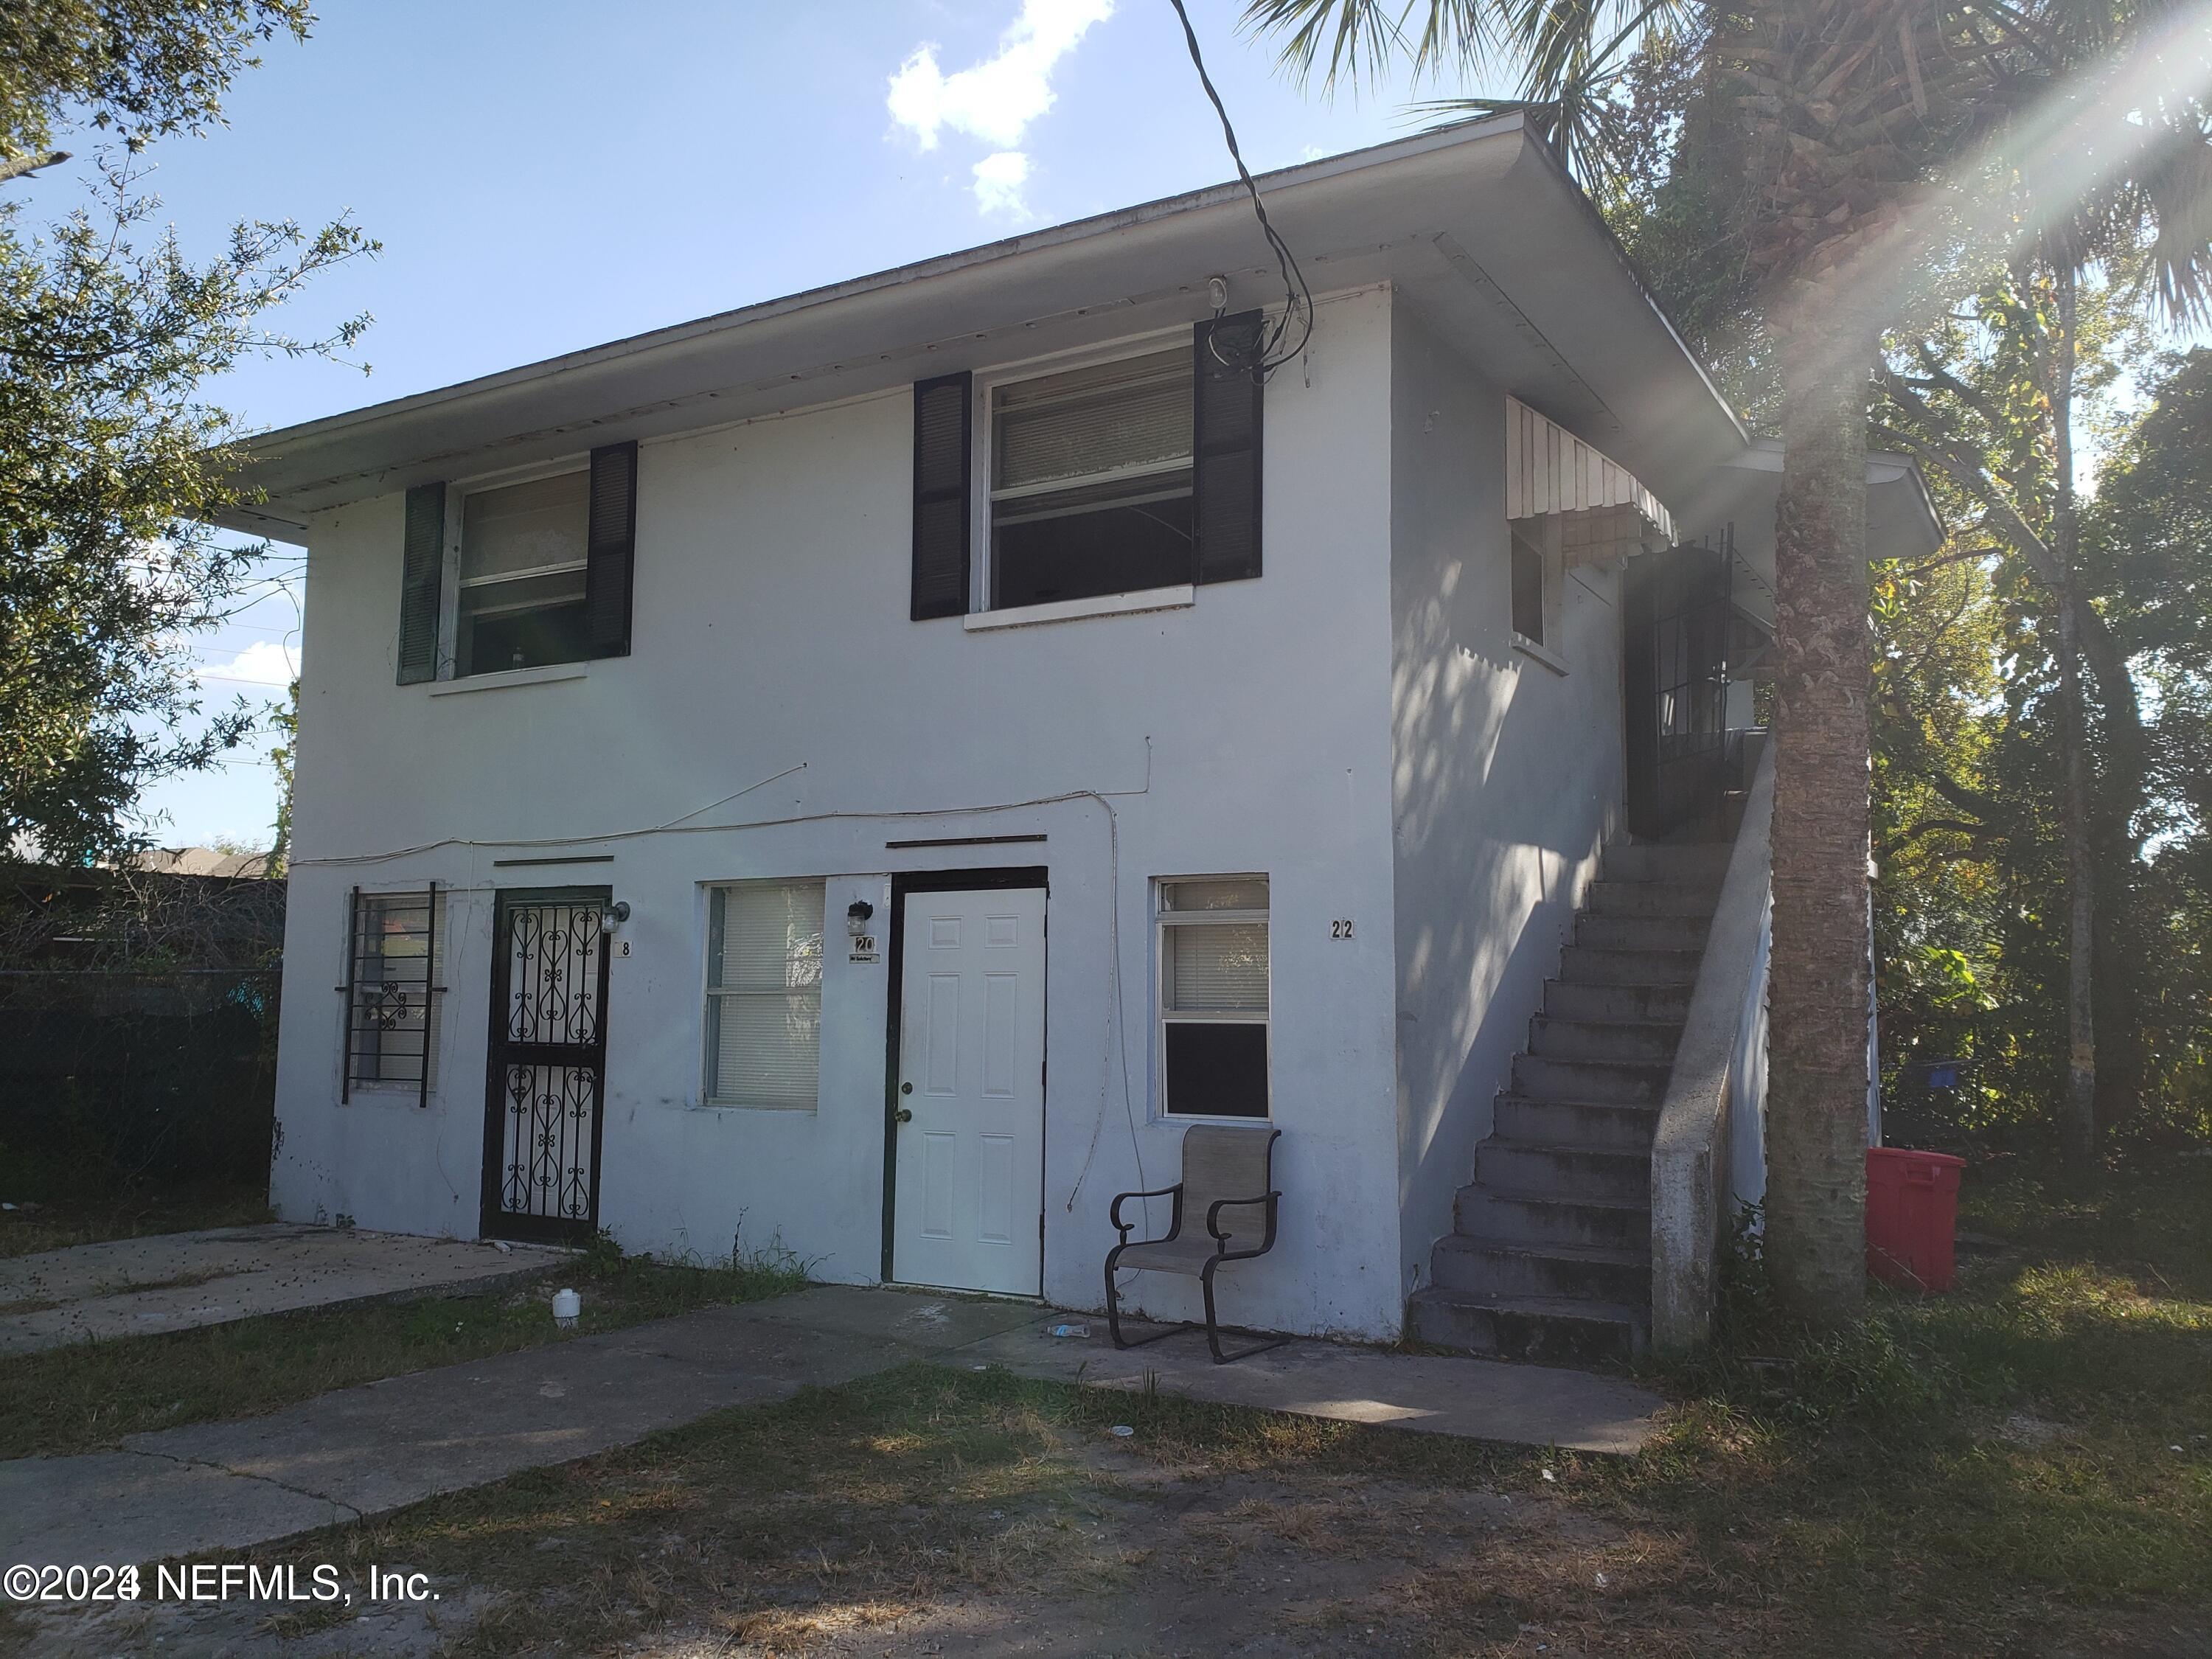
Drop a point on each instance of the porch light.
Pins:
(856, 917)
(612, 916)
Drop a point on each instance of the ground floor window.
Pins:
(764, 994)
(395, 960)
(1214, 996)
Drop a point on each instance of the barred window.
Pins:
(396, 962)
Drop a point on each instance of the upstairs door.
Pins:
(967, 1198)
(547, 1071)
(1675, 625)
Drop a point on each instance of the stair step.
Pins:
(1555, 1329)
(1586, 1273)
(1703, 862)
(1558, 1038)
(1643, 933)
(1602, 1124)
(1529, 1166)
(1541, 1077)
(1487, 1211)
(1577, 1000)
(1594, 964)
(1652, 898)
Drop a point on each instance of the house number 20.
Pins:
(1340, 928)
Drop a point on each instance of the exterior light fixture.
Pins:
(612, 916)
(856, 917)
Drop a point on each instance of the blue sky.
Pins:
(545, 175)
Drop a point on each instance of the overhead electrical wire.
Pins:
(1297, 298)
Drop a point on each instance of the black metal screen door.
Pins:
(547, 1070)
(1675, 681)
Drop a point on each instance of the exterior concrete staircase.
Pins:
(1550, 1254)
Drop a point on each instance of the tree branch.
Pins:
(17, 166)
(1904, 838)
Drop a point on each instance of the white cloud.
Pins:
(264, 662)
(999, 181)
(995, 100)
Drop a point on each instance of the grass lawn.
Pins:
(30, 1227)
(91, 1394)
(2022, 1467)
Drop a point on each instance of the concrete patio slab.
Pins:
(939, 1321)
(465, 1426)
(363, 1451)
(1475, 1398)
(174, 1281)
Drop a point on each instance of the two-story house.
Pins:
(866, 770)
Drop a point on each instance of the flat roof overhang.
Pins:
(1476, 225)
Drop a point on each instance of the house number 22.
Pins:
(1340, 928)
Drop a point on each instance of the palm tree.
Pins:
(1845, 117)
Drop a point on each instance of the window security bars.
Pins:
(392, 962)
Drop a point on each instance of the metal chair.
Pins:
(1225, 1167)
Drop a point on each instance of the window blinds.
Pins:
(526, 528)
(1210, 966)
(764, 980)
(1125, 417)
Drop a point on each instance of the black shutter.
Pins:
(1226, 439)
(942, 446)
(611, 555)
(422, 582)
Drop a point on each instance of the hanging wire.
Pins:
(1297, 298)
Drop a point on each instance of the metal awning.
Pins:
(1603, 511)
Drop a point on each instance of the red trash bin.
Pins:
(1912, 1217)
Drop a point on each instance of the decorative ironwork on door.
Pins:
(541, 1111)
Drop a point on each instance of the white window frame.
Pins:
(457, 492)
(1163, 919)
(709, 992)
(983, 430)
(433, 1037)
(1543, 533)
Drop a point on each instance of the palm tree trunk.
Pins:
(1817, 1033)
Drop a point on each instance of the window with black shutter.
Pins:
(941, 450)
(1226, 439)
(543, 573)
(1126, 476)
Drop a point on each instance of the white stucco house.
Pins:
(865, 771)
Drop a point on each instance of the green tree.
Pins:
(111, 460)
(1832, 128)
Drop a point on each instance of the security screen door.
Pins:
(967, 1201)
(548, 1066)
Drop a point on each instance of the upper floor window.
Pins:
(1091, 481)
(1530, 585)
(521, 581)
(1126, 476)
(518, 576)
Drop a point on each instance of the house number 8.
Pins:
(1340, 928)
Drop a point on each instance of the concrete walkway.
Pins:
(363, 1451)
(173, 1281)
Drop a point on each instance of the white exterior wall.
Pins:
(1506, 775)
(770, 632)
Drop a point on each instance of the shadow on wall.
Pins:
(1507, 783)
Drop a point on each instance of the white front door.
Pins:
(968, 1205)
